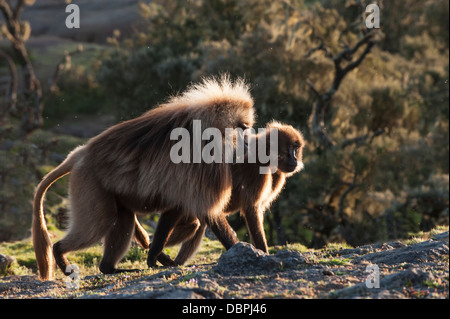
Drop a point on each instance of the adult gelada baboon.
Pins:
(127, 169)
(252, 194)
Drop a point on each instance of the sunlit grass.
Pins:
(209, 252)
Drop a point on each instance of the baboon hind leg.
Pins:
(92, 215)
(87, 228)
(184, 230)
(117, 242)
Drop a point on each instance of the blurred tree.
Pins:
(18, 32)
(8, 99)
(377, 124)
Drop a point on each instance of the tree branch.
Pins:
(6, 9)
(32, 117)
(317, 118)
(361, 139)
(320, 47)
(347, 54)
(313, 88)
(19, 8)
(61, 65)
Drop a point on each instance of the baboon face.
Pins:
(243, 117)
(290, 151)
(246, 120)
(243, 122)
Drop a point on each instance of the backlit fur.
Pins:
(127, 169)
(252, 194)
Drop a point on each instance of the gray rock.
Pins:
(421, 252)
(208, 284)
(5, 262)
(387, 285)
(441, 237)
(290, 259)
(244, 259)
(392, 245)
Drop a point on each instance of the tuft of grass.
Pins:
(337, 246)
(335, 261)
(209, 252)
(292, 246)
(433, 283)
(23, 252)
(421, 236)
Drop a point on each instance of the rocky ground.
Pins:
(414, 269)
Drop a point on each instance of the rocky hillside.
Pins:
(418, 268)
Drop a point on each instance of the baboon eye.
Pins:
(243, 126)
(293, 150)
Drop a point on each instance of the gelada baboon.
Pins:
(127, 169)
(252, 194)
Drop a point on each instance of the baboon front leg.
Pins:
(190, 246)
(117, 241)
(142, 238)
(164, 229)
(255, 224)
(220, 227)
(183, 232)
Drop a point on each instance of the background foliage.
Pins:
(381, 188)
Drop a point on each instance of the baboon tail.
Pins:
(41, 239)
(140, 234)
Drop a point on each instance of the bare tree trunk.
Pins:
(32, 117)
(11, 98)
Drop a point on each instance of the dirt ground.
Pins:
(393, 270)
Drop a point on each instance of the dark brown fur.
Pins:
(127, 169)
(252, 194)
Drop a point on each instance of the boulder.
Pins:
(5, 262)
(244, 259)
